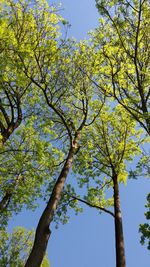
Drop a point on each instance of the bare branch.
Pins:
(93, 205)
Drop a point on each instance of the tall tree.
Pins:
(71, 101)
(66, 96)
(122, 45)
(110, 144)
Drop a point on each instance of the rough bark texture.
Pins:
(119, 238)
(43, 232)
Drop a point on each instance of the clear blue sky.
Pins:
(81, 14)
(88, 239)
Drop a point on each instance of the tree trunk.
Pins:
(43, 232)
(9, 193)
(119, 238)
(4, 202)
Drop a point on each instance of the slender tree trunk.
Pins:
(119, 238)
(43, 232)
(5, 200)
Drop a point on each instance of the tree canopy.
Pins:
(70, 108)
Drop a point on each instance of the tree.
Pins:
(15, 247)
(14, 90)
(122, 44)
(28, 154)
(111, 142)
(71, 101)
(123, 39)
(65, 94)
(144, 229)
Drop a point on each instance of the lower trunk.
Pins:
(119, 238)
(43, 232)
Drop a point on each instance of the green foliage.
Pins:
(59, 100)
(15, 247)
(144, 229)
(121, 44)
(27, 164)
(121, 48)
(112, 141)
(28, 158)
(50, 90)
(142, 167)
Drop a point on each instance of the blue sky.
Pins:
(81, 14)
(88, 239)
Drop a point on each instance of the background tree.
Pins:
(123, 59)
(102, 165)
(144, 229)
(15, 247)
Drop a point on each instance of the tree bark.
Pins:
(5, 200)
(10, 130)
(43, 232)
(119, 237)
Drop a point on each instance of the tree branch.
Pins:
(93, 205)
